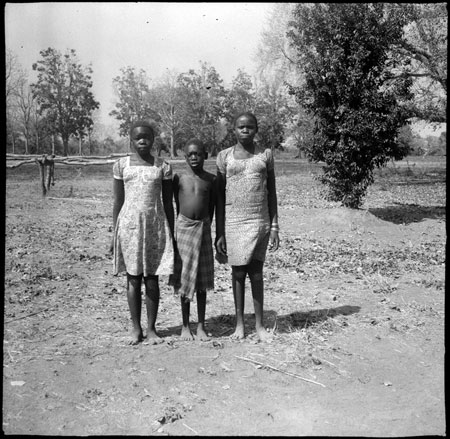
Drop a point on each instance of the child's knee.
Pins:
(239, 274)
(134, 282)
(256, 276)
(152, 286)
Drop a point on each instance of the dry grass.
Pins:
(59, 244)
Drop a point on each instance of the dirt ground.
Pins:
(354, 299)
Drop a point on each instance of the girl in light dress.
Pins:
(246, 217)
(143, 219)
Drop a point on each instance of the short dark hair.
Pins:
(246, 114)
(197, 142)
(144, 123)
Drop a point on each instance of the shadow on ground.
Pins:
(408, 213)
(223, 325)
(303, 320)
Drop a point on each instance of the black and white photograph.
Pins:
(224, 219)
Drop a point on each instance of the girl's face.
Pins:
(245, 130)
(142, 140)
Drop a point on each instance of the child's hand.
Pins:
(274, 240)
(221, 246)
(111, 247)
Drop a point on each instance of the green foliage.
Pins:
(343, 50)
(63, 93)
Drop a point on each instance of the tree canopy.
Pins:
(343, 50)
(63, 93)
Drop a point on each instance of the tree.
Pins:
(276, 69)
(25, 106)
(15, 76)
(343, 50)
(63, 92)
(132, 90)
(240, 97)
(203, 97)
(165, 99)
(275, 56)
(271, 110)
(422, 56)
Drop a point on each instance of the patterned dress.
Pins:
(247, 220)
(142, 238)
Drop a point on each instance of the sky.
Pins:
(153, 36)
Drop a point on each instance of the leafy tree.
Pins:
(166, 100)
(63, 92)
(15, 79)
(25, 106)
(132, 90)
(203, 97)
(240, 97)
(15, 76)
(276, 67)
(342, 50)
(422, 56)
(275, 56)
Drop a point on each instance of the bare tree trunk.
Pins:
(65, 146)
(53, 144)
(42, 176)
(46, 166)
(79, 146)
(173, 152)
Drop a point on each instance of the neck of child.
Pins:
(145, 157)
(248, 146)
(196, 171)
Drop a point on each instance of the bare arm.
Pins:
(167, 197)
(176, 190)
(273, 210)
(220, 214)
(212, 198)
(119, 198)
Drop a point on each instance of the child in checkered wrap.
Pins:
(195, 195)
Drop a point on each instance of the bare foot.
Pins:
(186, 334)
(136, 337)
(153, 337)
(263, 335)
(238, 334)
(202, 335)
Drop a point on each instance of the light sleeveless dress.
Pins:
(247, 220)
(142, 238)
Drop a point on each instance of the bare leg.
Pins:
(255, 273)
(201, 309)
(152, 302)
(186, 333)
(238, 282)
(135, 303)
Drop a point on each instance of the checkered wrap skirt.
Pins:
(194, 259)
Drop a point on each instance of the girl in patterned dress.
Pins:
(246, 217)
(143, 218)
